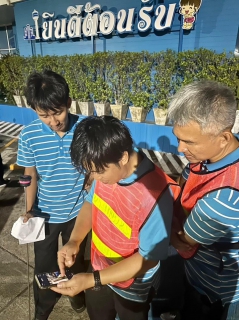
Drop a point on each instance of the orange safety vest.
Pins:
(200, 183)
(119, 212)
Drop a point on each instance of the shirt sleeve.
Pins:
(90, 195)
(213, 217)
(155, 234)
(25, 155)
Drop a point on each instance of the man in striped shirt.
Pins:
(56, 191)
(203, 114)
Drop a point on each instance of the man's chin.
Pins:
(59, 129)
(192, 160)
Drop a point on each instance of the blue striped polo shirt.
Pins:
(59, 196)
(153, 238)
(215, 218)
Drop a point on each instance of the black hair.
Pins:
(99, 141)
(47, 91)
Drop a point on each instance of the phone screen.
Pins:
(48, 279)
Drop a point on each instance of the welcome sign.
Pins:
(88, 21)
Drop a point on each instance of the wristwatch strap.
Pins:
(98, 283)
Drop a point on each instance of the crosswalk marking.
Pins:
(170, 163)
(11, 130)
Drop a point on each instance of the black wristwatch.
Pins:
(98, 283)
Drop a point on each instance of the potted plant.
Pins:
(164, 84)
(99, 66)
(119, 82)
(141, 86)
(142, 103)
(11, 77)
(78, 78)
(102, 95)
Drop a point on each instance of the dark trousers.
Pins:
(46, 261)
(105, 304)
(198, 307)
(1, 169)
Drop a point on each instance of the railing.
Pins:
(145, 135)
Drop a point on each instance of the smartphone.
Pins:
(47, 280)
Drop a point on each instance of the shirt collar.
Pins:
(229, 159)
(72, 123)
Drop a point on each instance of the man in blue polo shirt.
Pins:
(56, 192)
(129, 209)
(203, 114)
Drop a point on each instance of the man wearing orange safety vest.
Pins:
(203, 114)
(129, 209)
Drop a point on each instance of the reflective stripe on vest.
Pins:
(105, 250)
(120, 224)
(119, 212)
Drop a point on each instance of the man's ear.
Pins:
(69, 103)
(125, 158)
(226, 138)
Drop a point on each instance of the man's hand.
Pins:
(177, 241)
(78, 283)
(27, 216)
(67, 255)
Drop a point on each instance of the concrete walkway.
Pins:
(13, 257)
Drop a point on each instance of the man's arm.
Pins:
(210, 219)
(124, 270)
(83, 225)
(186, 239)
(26, 158)
(153, 246)
(31, 191)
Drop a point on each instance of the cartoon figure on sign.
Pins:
(188, 9)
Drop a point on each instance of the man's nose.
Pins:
(54, 121)
(181, 146)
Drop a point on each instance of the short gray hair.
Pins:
(211, 104)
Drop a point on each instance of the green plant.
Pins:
(142, 99)
(119, 76)
(140, 80)
(11, 75)
(206, 64)
(77, 76)
(164, 70)
(99, 66)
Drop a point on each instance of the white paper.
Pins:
(31, 231)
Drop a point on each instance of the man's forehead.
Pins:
(187, 132)
(49, 112)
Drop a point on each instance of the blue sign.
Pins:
(29, 33)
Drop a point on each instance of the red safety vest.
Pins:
(200, 183)
(119, 212)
